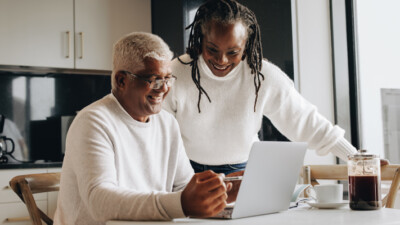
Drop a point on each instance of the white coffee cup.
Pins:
(329, 193)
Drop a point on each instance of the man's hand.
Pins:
(205, 195)
(232, 192)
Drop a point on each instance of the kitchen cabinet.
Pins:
(17, 214)
(72, 34)
(35, 33)
(100, 23)
(12, 209)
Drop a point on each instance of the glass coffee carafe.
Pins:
(364, 172)
(4, 149)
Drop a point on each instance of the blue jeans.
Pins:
(226, 168)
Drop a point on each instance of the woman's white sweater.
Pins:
(225, 129)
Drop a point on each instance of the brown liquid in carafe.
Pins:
(364, 192)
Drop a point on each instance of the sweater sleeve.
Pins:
(184, 170)
(299, 120)
(92, 156)
(176, 93)
(169, 103)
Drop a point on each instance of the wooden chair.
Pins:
(27, 185)
(312, 173)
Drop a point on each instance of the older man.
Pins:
(124, 155)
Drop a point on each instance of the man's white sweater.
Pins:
(118, 168)
(227, 127)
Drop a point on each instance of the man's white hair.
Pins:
(131, 50)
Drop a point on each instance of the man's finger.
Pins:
(205, 175)
(219, 203)
(213, 182)
(217, 193)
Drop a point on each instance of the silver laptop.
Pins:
(269, 180)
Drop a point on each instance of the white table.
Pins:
(299, 216)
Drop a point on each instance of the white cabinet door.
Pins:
(12, 209)
(17, 213)
(42, 32)
(100, 23)
(36, 33)
(6, 193)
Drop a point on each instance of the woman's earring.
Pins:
(243, 56)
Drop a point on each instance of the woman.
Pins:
(225, 87)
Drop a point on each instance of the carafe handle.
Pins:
(5, 145)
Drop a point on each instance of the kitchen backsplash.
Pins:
(39, 109)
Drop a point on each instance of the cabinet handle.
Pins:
(81, 35)
(68, 44)
(18, 219)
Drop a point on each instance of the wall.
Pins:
(167, 22)
(378, 36)
(315, 62)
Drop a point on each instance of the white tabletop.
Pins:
(299, 216)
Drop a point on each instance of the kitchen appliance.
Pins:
(4, 149)
(48, 138)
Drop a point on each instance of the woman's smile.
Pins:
(218, 67)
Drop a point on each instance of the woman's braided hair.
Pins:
(225, 12)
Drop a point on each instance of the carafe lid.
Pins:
(363, 154)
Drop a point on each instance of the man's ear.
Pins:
(120, 79)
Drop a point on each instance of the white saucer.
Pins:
(328, 205)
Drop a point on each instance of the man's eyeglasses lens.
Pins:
(158, 83)
(155, 83)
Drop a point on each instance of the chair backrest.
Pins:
(312, 173)
(27, 185)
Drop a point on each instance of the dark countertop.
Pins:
(30, 165)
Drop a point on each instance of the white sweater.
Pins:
(118, 168)
(226, 128)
